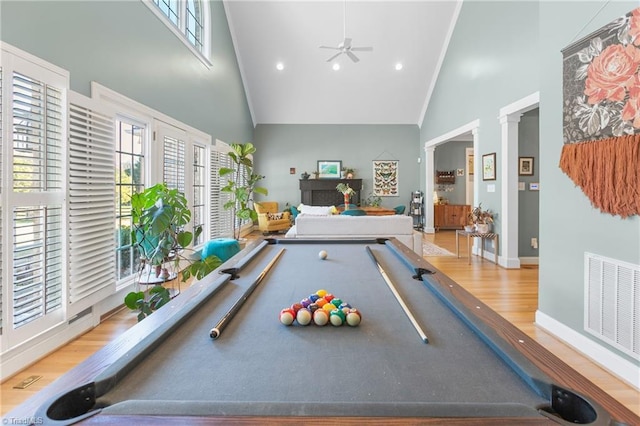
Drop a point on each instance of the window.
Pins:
(129, 171)
(188, 19)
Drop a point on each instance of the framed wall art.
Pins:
(385, 178)
(489, 166)
(525, 166)
(329, 169)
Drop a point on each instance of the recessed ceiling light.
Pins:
(398, 66)
(279, 66)
(336, 66)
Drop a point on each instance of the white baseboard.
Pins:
(17, 359)
(529, 260)
(615, 364)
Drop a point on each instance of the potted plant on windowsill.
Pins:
(241, 185)
(481, 219)
(159, 217)
(346, 192)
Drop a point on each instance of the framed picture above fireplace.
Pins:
(329, 169)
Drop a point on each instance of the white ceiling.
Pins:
(308, 90)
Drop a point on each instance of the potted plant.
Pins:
(373, 200)
(347, 192)
(482, 219)
(243, 184)
(349, 172)
(159, 217)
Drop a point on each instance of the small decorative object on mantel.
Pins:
(349, 172)
(601, 112)
(304, 176)
(481, 219)
(347, 192)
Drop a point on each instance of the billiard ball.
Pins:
(314, 297)
(328, 297)
(337, 317)
(320, 317)
(304, 316)
(287, 315)
(321, 293)
(336, 302)
(328, 307)
(323, 254)
(313, 307)
(305, 302)
(321, 302)
(353, 317)
(296, 307)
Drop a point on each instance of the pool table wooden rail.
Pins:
(560, 372)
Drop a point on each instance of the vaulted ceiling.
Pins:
(307, 90)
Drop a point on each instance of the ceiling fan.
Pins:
(345, 47)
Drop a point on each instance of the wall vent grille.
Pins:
(612, 302)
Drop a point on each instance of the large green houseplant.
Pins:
(242, 183)
(160, 216)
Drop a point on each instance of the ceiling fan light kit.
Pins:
(345, 47)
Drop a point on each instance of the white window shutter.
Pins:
(91, 204)
(174, 163)
(221, 225)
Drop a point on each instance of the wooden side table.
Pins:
(488, 236)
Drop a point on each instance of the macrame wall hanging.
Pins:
(601, 110)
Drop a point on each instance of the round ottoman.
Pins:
(223, 248)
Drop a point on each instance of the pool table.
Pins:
(474, 368)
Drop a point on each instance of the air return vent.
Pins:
(612, 302)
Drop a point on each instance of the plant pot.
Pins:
(483, 228)
(346, 201)
(469, 228)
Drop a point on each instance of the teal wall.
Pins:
(529, 201)
(501, 52)
(125, 47)
(452, 156)
(283, 146)
(569, 225)
(492, 61)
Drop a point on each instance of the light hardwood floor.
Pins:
(512, 293)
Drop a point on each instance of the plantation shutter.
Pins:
(221, 225)
(91, 203)
(37, 252)
(174, 163)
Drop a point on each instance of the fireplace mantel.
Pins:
(323, 192)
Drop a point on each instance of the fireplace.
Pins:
(323, 192)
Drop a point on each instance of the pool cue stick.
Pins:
(406, 310)
(215, 331)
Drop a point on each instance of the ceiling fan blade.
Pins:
(329, 47)
(334, 56)
(346, 43)
(353, 57)
(362, 49)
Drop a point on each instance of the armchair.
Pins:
(270, 218)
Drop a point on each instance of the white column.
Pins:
(509, 166)
(429, 165)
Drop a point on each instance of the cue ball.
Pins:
(322, 255)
